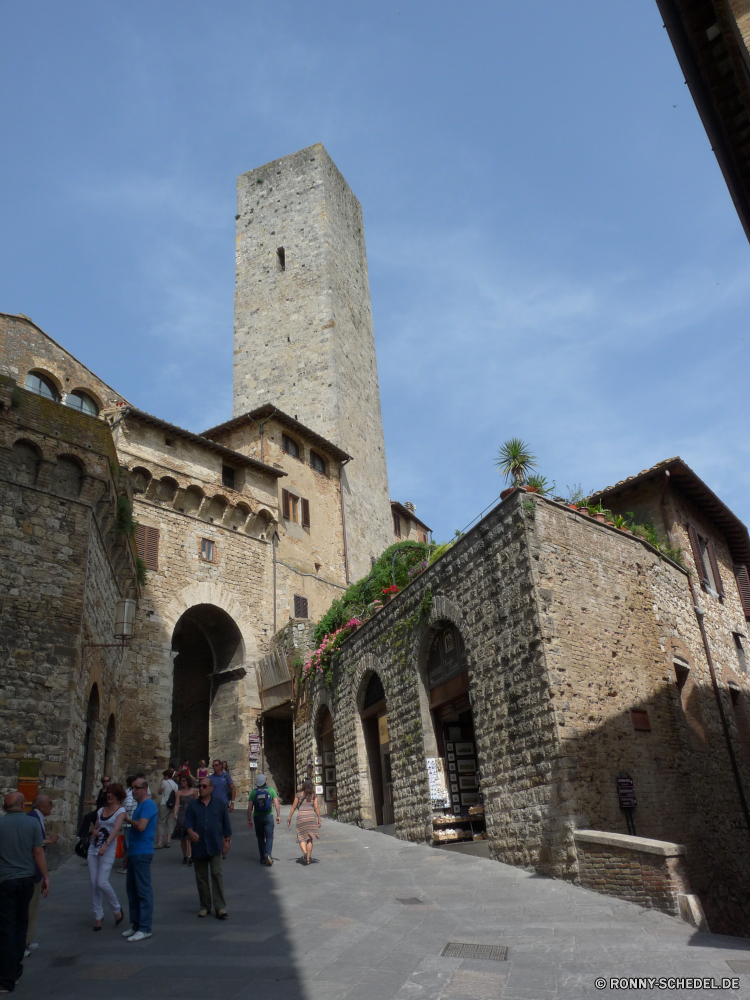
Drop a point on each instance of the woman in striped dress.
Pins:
(308, 818)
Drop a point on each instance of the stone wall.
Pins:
(303, 334)
(63, 567)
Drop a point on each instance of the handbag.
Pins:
(82, 847)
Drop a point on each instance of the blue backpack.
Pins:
(263, 800)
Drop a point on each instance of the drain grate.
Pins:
(740, 967)
(63, 960)
(410, 901)
(489, 952)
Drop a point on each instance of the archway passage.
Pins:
(205, 711)
(89, 740)
(377, 746)
(325, 772)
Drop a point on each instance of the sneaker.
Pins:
(128, 933)
(221, 914)
(184, 861)
(33, 946)
(269, 860)
(26, 953)
(122, 871)
(203, 912)
(139, 936)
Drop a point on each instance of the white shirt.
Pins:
(167, 787)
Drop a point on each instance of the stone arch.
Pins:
(238, 516)
(68, 475)
(192, 499)
(26, 462)
(216, 509)
(370, 711)
(110, 741)
(88, 763)
(95, 397)
(166, 489)
(47, 374)
(325, 747)
(263, 525)
(443, 612)
(140, 478)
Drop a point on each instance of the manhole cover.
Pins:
(740, 967)
(489, 952)
(63, 960)
(411, 901)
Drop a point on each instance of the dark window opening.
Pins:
(300, 606)
(317, 463)
(446, 656)
(169, 442)
(42, 386)
(289, 446)
(396, 525)
(227, 476)
(79, 400)
(373, 693)
(640, 720)
(740, 650)
(281, 257)
(706, 563)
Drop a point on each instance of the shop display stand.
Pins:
(464, 827)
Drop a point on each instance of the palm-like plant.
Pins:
(515, 461)
(540, 484)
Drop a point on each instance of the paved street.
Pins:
(350, 927)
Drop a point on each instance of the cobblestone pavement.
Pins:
(368, 920)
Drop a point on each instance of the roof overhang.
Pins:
(405, 512)
(264, 413)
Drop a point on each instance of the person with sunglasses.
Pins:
(140, 855)
(208, 827)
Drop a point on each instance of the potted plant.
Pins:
(514, 461)
(390, 592)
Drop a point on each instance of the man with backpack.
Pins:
(223, 785)
(263, 800)
(167, 819)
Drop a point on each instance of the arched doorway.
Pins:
(453, 722)
(325, 776)
(374, 719)
(88, 776)
(208, 656)
(109, 748)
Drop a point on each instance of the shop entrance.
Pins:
(325, 763)
(378, 750)
(88, 776)
(462, 816)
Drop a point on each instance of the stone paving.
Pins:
(368, 920)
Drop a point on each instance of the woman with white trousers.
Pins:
(101, 856)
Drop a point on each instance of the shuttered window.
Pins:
(305, 515)
(396, 525)
(147, 543)
(300, 606)
(743, 585)
(285, 505)
(695, 545)
(706, 563)
(719, 586)
(295, 508)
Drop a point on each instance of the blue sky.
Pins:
(553, 253)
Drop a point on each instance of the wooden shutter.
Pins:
(743, 585)
(147, 543)
(396, 525)
(285, 504)
(715, 568)
(305, 519)
(695, 545)
(300, 606)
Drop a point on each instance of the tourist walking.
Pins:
(140, 855)
(101, 855)
(207, 824)
(202, 771)
(41, 807)
(185, 795)
(98, 803)
(308, 818)
(223, 784)
(165, 825)
(129, 805)
(262, 801)
(21, 854)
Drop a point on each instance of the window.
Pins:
(740, 650)
(147, 543)
(289, 446)
(706, 563)
(227, 476)
(422, 537)
(317, 463)
(396, 525)
(446, 656)
(743, 585)
(79, 400)
(207, 550)
(281, 258)
(300, 606)
(42, 386)
(295, 508)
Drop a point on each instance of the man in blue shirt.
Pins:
(223, 784)
(207, 825)
(140, 854)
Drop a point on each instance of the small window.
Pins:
(300, 606)
(740, 650)
(281, 258)
(169, 442)
(640, 720)
(706, 563)
(227, 476)
(207, 550)
(743, 586)
(81, 401)
(42, 386)
(422, 537)
(289, 446)
(147, 543)
(396, 525)
(295, 508)
(317, 463)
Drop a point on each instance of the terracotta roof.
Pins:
(233, 456)
(267, 410)
(405, 512)
(683, 478)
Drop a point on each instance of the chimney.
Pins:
(410, 507)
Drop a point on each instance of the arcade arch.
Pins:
(373, 719)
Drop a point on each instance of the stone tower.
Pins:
(303, 334)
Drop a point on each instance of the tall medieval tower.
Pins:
(303, 334)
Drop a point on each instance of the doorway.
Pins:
(374, 717)
(325, 770)
(88, 775)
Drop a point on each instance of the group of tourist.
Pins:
(195, 811)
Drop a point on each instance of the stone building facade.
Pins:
(303, 336)
(406, 525)
(581, 660)
(64, 565)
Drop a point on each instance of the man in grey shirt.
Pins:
(21, 853)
